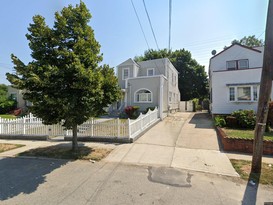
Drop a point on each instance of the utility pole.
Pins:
(265, 91)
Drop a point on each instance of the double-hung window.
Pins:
(150, 72)
(125, 73)
(246, 93)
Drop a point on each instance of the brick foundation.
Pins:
(242, 145)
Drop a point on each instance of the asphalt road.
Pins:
(45, 181)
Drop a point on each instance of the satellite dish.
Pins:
(213, 52)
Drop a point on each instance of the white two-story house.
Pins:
(152, 83)
(235, 75)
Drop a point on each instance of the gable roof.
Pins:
(130, 61)
(238, 44)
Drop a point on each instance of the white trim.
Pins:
(135, 100)
(123, 69)
(148, 69)
(155, 76)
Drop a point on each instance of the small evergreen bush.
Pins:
(219, 121)
(245, 118)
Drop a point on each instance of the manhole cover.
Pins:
(169, 176)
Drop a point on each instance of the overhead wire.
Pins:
(140, 25)
(170, 22)
(151, 26)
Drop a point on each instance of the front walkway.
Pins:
(183, 140)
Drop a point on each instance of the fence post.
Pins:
(151, 112)
(129, 127)
(92, 127)
(24, 125)
(141, 121)
(118, 123)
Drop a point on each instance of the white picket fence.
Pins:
(143, 122)
(101, 128)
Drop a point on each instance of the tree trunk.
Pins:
(265, 91)
(75, 139)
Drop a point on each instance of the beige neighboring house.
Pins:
(17, 95)
(151, 83)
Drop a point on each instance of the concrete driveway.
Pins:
(183, 140)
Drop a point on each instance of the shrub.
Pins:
(149, 108)
(132, 111)
(6, 105)
(219, 121)
(231, 122)
(245, 118)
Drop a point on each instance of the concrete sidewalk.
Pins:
(179, 141)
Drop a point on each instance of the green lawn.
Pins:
(245, 134)
(243, 168)
(7, 116)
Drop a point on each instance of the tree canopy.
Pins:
(6, 103)
(64, 81)
(250, 41)
(192, 79)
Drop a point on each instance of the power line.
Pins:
(150, 23)
(170, 22)
(140, 24)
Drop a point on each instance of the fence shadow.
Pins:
(250, 195)
(18, 175)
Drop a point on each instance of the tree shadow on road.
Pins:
(250, 195)
(19, 175)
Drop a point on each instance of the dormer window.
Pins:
(150, 72)
(125, 73)
(237, 64)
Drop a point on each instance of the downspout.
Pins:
(126, 91)
(161, 98)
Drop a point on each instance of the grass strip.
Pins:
(6, 147)
(65, 152)
(245, 134)
(243, 168)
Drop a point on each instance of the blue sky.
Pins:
(198, 26)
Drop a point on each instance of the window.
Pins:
(125, 73)
(232, 94)
(13, 96)
(143, 95)
(170, 96)
(255, 93)
(243, 93)
(150, 72)
(237, 64)
(231, 65)
(243, 64)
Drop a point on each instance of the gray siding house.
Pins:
(152, 83)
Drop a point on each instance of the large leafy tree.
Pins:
(250, 41)
(192, 79)
(64, 81)
(6, 103)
